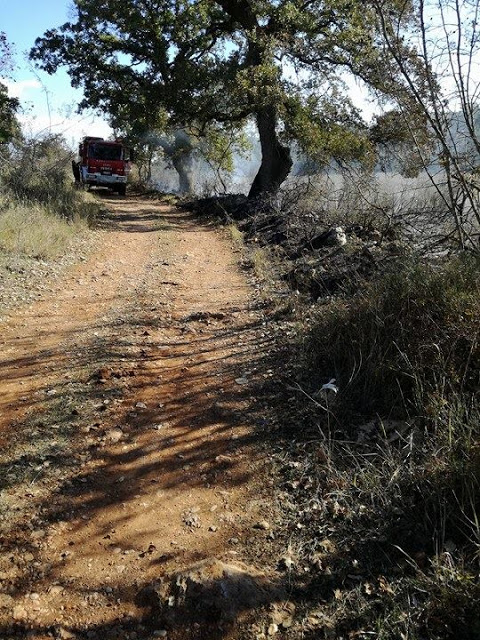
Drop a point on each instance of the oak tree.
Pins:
(280, 62)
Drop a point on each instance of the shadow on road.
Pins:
(155, 401)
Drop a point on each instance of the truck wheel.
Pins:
(122, 189)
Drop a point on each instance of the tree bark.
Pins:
(183, 166)
(276, 159)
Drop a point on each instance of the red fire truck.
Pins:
(103, 163)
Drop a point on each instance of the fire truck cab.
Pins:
(103, 163)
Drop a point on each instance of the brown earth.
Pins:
(136, 500)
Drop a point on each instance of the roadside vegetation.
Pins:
(379, 469)
(41, 211)
(44, 219)
(393, 456)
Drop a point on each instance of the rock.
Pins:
(191, 519)
(114, 435)
(223, 458)
(63, 634)
(333, 237)
(286, 563)
(6, 600)
(272, 629)
(56, 589)
(337, 237)
(19, 612)
(263, 525)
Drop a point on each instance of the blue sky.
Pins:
(48, 102)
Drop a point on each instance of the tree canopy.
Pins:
(223, 61)
(9, 126)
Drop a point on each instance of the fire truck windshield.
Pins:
(105, 152)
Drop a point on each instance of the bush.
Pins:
(40, 207)
(38, 171)
(41, 210)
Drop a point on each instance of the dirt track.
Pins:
(127, 424)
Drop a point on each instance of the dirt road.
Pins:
(135, 494)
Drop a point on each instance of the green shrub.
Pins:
(40, 208)
(38, 172)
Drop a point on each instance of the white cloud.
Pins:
(39, 116)
(18, 89)
(72, 128)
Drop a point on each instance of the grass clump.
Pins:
(38, 171)
(405, 343)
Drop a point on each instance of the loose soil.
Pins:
(136, 501)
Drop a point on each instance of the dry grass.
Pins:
(403, 339)
(237, 236)
(32, 231)
(41, 211)
(380, 482)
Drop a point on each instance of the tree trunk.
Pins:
(183, 166)
(276, 159)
